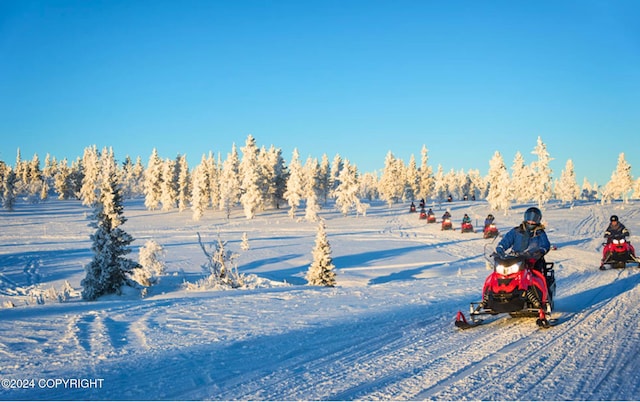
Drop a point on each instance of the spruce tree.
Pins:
(108, 270)
(321, 271)
(498, 195)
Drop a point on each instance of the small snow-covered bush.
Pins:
(221, 268)
(152, 265)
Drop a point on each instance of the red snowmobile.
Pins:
(617, 252)
(446, 224)
(514, 287)
(431, 218)
(490, 231)
(412, 208)
(423, 215)
(466, 227)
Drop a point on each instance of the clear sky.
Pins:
(354, 77)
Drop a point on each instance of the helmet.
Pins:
(533, 214)
(614, 218)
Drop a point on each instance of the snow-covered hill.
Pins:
(385, 332)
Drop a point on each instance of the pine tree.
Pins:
(567, 189)
(312, 189)
(184, 189)
(498, 195)
(393, 180)
(251, 197)
(520, 184)
(169, 185)
(621, 182)
(295, 184)
(108, 270)
(347, 192)
(153, 181)
(245, 242)
(200, 190)
(426, 175)
(90, 169)
(321, 271)
(230, 182)
(541, 174)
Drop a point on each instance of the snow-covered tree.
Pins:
(368, 186)
(8, 190)
(274, 176)
(312, 189)
(321, 271)
(108, 270)
(520, 184)
(621, 183)
(90, 168)
(336, 168)
(295, 184)
(200, 190)
(440, 191)
(392, 183)
(151, 259)
(541, 182)
(567, 189)
(325, 178)
(169, 185)
(412, 185)
(244, 246)
(498, 196)
(214, 169)
(347, 192)
(426, 179)
(589, 192)
(230, 182)
(184, 183)
(251, 180)
(153, 181)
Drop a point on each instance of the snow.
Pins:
(384, 332)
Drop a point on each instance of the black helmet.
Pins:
(614, 218)
(533, 214)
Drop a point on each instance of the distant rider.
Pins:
(615, 228)
(489, 220)
(466, 219)
(446, 215)
(528, 239)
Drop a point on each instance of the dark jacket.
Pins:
(533, 243)
(620, 230)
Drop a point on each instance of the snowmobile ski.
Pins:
(462, 323)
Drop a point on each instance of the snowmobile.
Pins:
(431, 218)
(516, 288)
(490, 231)
(423, 215)
(466, 227)
(446, 224)
(412, 208)
(618, 252)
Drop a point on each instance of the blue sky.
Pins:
(354, 77)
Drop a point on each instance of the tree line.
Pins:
(258, 178)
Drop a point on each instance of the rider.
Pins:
(528, 239)
(466, 219)
(446, 215)
(489, 220)
(615, 228)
